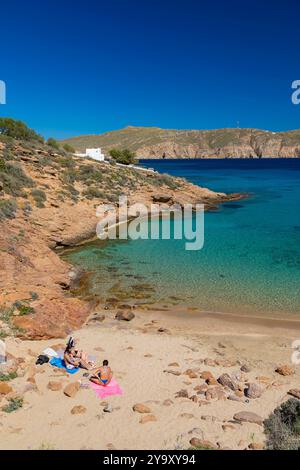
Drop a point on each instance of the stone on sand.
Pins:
(124, 315)
(54, 386)
(202, 443)
(141, 408)
(295, 392)
(228, 381)
(147, 419)
(285, 370)
(71, 389)
(78, 409)
(248, 417)
(254, 391)
(5, 389)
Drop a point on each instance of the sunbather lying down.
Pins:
(102, 375)
(76, 358)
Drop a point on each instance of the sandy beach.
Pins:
(159, 361)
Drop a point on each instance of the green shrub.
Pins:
(8, 208)
(13, 405)
(13, 178)
(18, 130)
(124, 156)
(283, 427)
(53, 143)
(39, 197)
(8, 377)
(93, 192)
(68, 148)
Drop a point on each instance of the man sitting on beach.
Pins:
(102, 375)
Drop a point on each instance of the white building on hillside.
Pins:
(95, 154)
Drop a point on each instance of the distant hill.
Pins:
(154, 142)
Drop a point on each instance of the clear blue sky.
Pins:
(74, 67)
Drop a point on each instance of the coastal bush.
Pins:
(68, 176)
(282, 428)
(8, 377)
(18, 130)
(8, 208)
(93, 192)
(14, 179)
(68, 148)
(24, 309)
(89, 174)
(72, 192)
(27, 208)
(39, 197)
(53, 143)
(124, 156)
(13, 405)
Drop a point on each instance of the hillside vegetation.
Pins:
(153, 142)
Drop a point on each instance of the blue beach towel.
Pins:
(60, 363)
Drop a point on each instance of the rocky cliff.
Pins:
(153, 142)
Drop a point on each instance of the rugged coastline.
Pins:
(55, 198)
(157, 143)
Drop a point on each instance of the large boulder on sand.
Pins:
(248, 417)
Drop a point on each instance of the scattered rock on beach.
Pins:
(201, 443)
(71, 389)
(205, 375)
(108, 408)
(201, 389)
(79, 409)
(228, 381)
(5, 389)
(54, 386)
(147, 419)
(124, 315)
(248, 417)
(173, 372)
(168, 402)
(141, 408)
(245, 368)
(215, 393)
(182, 394)
(97, 318)
(163, 330)
(256, 446)
(173, 364)
(285, 370)
(254, 391)
(295, 392)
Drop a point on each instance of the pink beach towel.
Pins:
(113, 388)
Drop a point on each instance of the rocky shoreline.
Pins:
(35, 297)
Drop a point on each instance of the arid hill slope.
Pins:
(153, 142)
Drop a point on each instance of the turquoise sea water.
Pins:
(250, 263)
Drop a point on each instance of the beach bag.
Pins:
(42, 359)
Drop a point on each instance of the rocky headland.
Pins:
(157, 143)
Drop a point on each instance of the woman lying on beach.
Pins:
(102, 375)
(75, 358)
